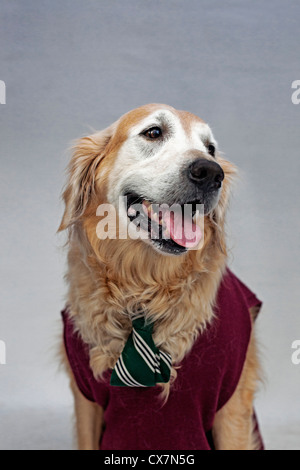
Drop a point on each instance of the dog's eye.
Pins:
(211, 149)
(153, 133)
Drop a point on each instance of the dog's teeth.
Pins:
(147, 208)
(196, 216)
(131, 211)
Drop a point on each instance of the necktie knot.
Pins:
(141, 363)
(140, 324)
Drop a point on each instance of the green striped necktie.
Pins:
(141, 363)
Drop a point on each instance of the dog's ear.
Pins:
(87, 154)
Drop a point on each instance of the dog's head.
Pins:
(155, 166)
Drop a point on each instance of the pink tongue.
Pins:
(182, 229)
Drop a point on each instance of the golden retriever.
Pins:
(153, 154)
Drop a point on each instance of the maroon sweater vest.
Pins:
(135, 418)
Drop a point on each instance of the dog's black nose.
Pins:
(206, 174)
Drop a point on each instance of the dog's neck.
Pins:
(110, 279)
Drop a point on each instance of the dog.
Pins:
(202, 314)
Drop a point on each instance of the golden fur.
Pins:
(109, 277)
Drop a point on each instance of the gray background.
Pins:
(72, 66)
